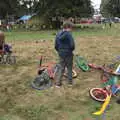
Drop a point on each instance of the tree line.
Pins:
(110, 8)
(80, 8)
(54, 8)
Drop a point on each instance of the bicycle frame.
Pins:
(109, 79)
(7, 58)
(52, 68)
(49, 66)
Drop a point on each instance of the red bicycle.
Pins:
(46, 73)
(109, 80)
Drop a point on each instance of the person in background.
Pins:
(4, 48)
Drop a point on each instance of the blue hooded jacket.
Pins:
(64, 43)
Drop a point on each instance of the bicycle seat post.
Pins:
(41, 58)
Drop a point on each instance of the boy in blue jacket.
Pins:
(64, 45)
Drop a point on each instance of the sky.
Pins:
(96, 3)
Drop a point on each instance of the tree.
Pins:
(64, 8)
(17, 7)
(47, 9)
(28, 5)
(80, 8)
(110, 8)
(8, 7)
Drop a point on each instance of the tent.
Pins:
(25, 17)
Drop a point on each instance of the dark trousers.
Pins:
(64, 63)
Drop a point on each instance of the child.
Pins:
(4, 48)
(64, 45)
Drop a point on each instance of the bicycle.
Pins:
(109, 79)
(7, 58)
(81, 63)
(46, 74)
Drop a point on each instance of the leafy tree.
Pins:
(110, 8)
(28, 6)
(47, 9)
(80, 8)
(8, 7)
(17, 7)
(64, 8)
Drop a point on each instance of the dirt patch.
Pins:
(15, 80)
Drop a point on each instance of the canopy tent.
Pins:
(25, 17)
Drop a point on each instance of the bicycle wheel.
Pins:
(118, 100)
(117, 92)
(4, 59)
(105, 77)
(74, 74)
(1, 59)
(11, 59)
(98, 94)
(42, 82)
(81, 63)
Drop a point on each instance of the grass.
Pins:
(93, 30)
(20, 102)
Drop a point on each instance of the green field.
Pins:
(20, 102)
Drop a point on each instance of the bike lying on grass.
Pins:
(46, 75)
(81, 63)
(109, 80)
(7, 58)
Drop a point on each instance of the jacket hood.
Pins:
(62, 35)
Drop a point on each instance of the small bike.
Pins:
(46, 74)
(81, 63)
(7, 57)
(109, 80)
(100, 94)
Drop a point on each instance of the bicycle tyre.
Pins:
(117, 93)
(98, 94)
(118, 100)
(1, 60)
(74, 74)
(11, 60)
(105, 77)
(82, 63)
(42, 82)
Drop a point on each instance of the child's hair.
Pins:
(68, 24)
